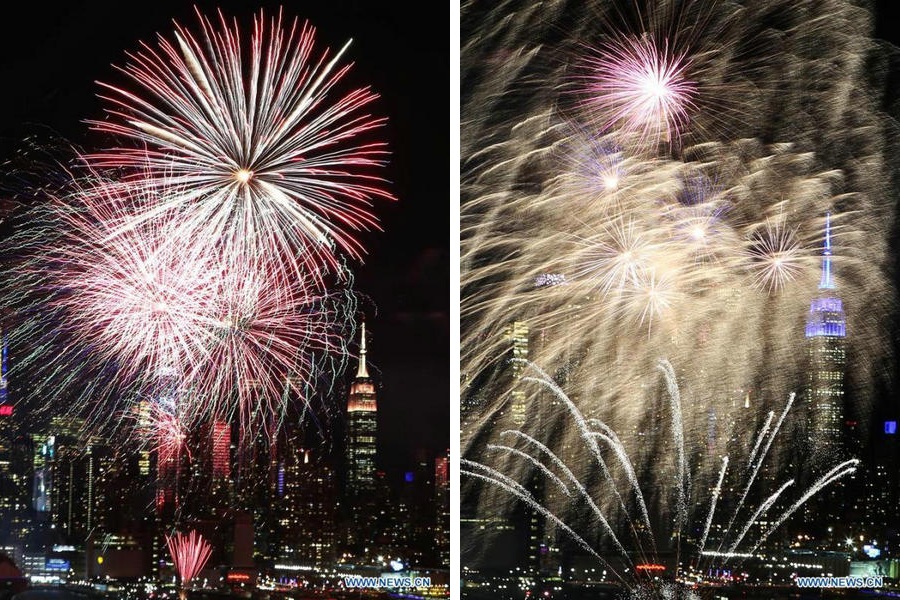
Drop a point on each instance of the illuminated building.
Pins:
(67, 477)
(78, 482)
(442, 508)
(221, 450)
(44, 446)
(516, 336)
(826, 515)
(15, 456)
(4, 367)
(143, 419)
(516, 341)
(362, 427)
(509, 541)
(826, 332)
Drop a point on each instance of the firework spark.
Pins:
(148, 313)
(189, 554)
(267, 151)
(776, 256)
(619, 259)
(641, 87)
(161, 428)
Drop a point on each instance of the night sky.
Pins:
(51, 54)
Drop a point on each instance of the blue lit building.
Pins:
(826, 333)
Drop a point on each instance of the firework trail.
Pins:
(564, 465)
(611, 246)
(269, 154)
(189, 554)
(712, 504)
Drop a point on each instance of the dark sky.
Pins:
(51, 53)
(887, 21)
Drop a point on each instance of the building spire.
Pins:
(826, 283)
(362, 373)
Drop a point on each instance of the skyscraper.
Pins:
(15, 458)
(4, 365)
(221, 450)
(826, 332)
(516, 336)
(306, 510)
(442, 507)
(255, 483)
(362, 429)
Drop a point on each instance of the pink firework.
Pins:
(189, 554)
(139, 296)
(640, 87)
(268, 330)
(160, 427)
(268, 151)
(191, 325)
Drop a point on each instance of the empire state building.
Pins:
(362, 428)
(826, 332)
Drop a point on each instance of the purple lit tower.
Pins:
(826, 332)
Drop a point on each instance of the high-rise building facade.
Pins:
(516, 336)
(307, 511)
(826, 332)
(15, 462)
(826, 516)
(362, 428)
(255, 474)
(4, 366)
(221, 450)
(442, 507)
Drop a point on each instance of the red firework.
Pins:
(268, 152)
(200, 331)
(189, 554)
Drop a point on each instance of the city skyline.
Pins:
(402, 289)
(678, 294)
(264, 484)
(229, 275)
(295, 510)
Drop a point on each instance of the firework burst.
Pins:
(144, 312)
(619, 258)
(707, 249)
(196, 272)
(189, 554)
(266, 151)
(641, 87)
(776, 256)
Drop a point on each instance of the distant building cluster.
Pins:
(77, 507)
